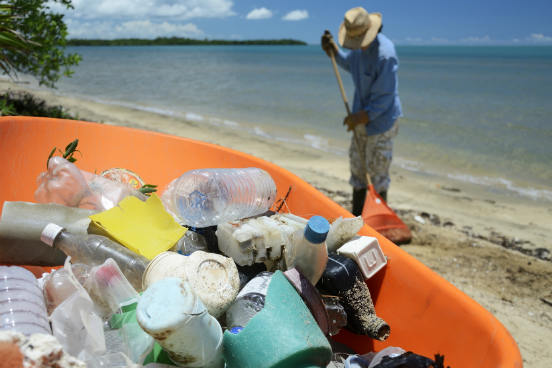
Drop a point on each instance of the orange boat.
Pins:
(427, 314)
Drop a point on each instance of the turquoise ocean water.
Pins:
(476, 114)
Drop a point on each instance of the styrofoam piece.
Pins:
(342, 230)
(366, 252)
(257, 240)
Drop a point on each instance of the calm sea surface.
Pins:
(477, 114)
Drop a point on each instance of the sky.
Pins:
(406, 22)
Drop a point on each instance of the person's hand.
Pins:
(328, 44)
(358, 118)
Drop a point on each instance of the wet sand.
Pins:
(494, 248)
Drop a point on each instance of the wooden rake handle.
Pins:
(344, 96)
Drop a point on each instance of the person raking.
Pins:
(373, 64)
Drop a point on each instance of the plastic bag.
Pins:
(76, 325)
(65, 184)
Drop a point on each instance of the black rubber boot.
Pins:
(359, 195)
(383, 194)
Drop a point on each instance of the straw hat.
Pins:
(359, 28)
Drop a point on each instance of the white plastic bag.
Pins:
(76, 325)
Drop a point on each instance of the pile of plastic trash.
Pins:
(206, 275)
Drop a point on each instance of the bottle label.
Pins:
(259, 285)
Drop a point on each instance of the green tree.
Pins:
(33, 40)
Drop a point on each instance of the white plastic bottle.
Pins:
(208, 197)
(308, 252)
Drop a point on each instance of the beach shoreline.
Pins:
(493, 247)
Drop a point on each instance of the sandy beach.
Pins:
(496, 249)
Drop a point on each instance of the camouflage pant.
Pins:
(377, 153)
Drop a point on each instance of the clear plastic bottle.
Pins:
(95, 250)
(208, 197)
(190, 242)
(307, 252)
(250, 301)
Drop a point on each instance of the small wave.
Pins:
(532, 193)
(230, 123)
(317, 142)
(409, 165)
(261, 133)
(194, 117)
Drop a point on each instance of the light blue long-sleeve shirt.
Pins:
(374, 73)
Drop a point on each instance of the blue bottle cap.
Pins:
(317, 229)
(236, 330)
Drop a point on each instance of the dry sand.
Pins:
(496, 249)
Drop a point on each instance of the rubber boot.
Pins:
(359, 195)
(383, 194)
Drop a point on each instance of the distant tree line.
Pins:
(163, 41)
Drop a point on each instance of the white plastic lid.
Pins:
(50, 233)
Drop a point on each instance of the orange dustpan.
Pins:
(376, 213)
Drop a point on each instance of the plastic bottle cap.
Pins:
(236, 330)
(50, 233)
(317, 229)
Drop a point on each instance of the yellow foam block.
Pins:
(143, 227)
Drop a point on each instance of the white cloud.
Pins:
(138, 18)
(133, 28)
(260, 13)
(296, 15)
(539, 38)
(439, 40)
(147, 9)
(476, 39)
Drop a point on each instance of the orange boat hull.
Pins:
(426, 313)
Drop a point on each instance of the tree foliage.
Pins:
(36, 38)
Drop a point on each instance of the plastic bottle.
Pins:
(250, 301)
(343, 278)
(209, 197)
(21, 303)
(95, 250)
(336, 313)
(177, 319)
(190, 242)
(308, 252)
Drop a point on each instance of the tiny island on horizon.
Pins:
(178, 41)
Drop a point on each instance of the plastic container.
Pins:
(213, 277)
(250, 301)
(366, 252)
(343, 278)
(95, 250)
(21, 304)
(109, 288)
(177, 319)
(209, 197)
(308, 252)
